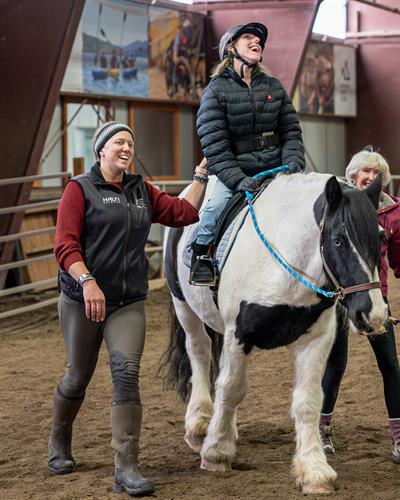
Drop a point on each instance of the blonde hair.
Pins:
(368, 158)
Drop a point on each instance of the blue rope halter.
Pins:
(304, 282)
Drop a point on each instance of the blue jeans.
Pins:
(212, 212)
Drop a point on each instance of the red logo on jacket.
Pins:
(269, 97)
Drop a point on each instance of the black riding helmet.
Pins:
(257, 29)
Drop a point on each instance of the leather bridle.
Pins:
(339, 290)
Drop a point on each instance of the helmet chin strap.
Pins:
(236, 55)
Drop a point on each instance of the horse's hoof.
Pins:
(194, 442)
(317, 489)
(215, 467)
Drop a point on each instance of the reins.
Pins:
(339, 292)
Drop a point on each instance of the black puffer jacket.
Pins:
(231, 112)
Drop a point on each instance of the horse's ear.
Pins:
(374, 190)
(333, 194)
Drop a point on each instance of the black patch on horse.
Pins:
(171, 265)
(267, 327)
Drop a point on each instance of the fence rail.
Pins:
(52, 282)
(32, 178)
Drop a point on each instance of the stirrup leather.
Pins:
(208, 267)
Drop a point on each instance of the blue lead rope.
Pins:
(249, 198)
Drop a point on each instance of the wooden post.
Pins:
(78, 166)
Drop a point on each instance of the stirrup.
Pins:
(211, 265)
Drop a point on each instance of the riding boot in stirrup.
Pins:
(202, 272)
(65, 410)
(126, 421)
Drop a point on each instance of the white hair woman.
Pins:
(361, 171)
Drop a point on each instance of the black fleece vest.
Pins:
(117, 224)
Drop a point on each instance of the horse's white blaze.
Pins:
(378, 312)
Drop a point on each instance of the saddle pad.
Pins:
(223, 249)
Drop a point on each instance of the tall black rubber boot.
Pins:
(65, 410)
(202, 272)
(126, 421)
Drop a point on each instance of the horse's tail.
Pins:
(175, 363)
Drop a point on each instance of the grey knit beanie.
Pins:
(105, 132)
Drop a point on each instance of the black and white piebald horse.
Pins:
(261, 304)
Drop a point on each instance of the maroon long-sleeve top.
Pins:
(168, 210)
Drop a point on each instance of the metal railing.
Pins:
(52, 282)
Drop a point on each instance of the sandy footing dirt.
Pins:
(33, 360)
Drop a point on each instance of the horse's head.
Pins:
(351, 250)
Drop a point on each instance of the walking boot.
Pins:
(326, 438)
(202, 271)
(396, 451)
(65, 410)
(126, 421)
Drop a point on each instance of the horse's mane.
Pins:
(361, 222)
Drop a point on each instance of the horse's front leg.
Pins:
(219, 446)
(198, 347)
(310, 467)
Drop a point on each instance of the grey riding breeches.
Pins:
(123, 331)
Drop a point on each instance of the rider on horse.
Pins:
(246, 124)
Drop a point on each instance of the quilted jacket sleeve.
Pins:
(213, 131)
(290, 134)
(394, 245)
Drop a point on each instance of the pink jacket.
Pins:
(389, 218)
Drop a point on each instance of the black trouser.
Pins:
(384, 348)
(123, 331)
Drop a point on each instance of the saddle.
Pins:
(226, 225)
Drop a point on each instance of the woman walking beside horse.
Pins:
(103, 222)
(360, 173)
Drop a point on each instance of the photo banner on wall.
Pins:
(115, 48)
(327, 80)
(177, 67)
(123, 48)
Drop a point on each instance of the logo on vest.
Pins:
(140, 203)
(109, 200)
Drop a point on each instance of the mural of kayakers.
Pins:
(115, 48)
(176, 54)
(125, 48)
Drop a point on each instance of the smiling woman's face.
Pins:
(365, 176)
(248, 46)
(117, 152)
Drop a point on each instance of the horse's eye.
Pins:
(337, 242)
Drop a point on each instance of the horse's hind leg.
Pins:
(312, 472)
(219, 446)
(198, 347)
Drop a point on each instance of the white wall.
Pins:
(325, 143)
(51, 161)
